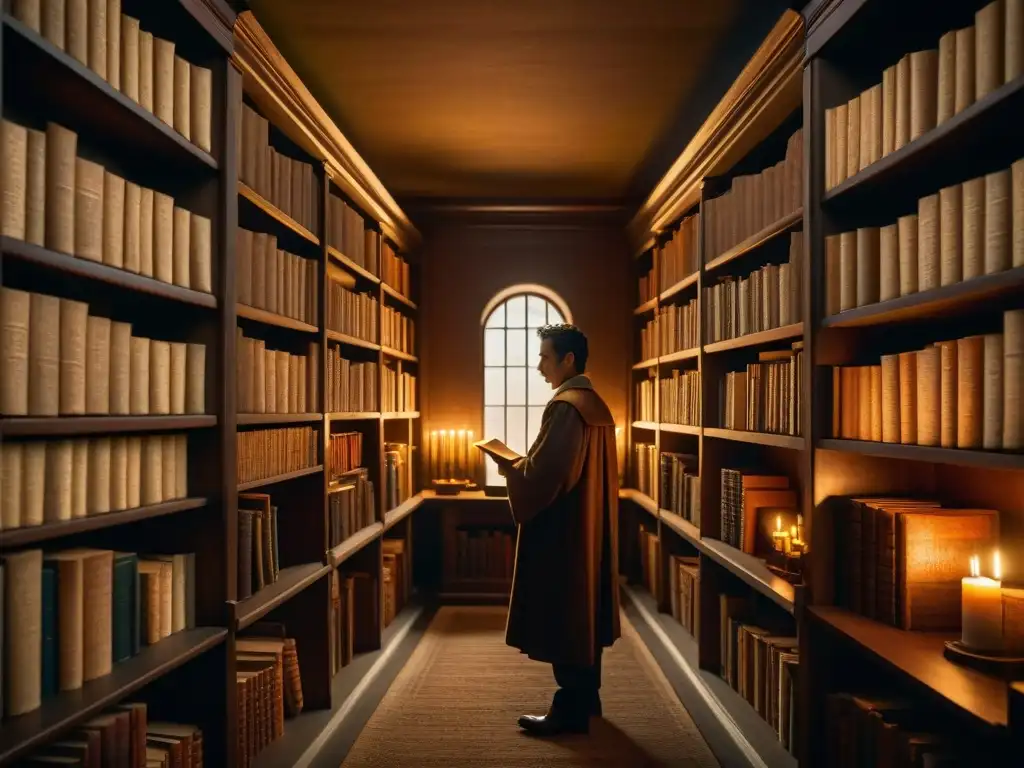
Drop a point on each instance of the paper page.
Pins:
(497, 450)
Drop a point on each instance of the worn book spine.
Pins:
(73, 345)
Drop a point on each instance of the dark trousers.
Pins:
(579, 686)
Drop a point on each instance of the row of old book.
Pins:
(399, 390)
(755, 202)
(645, 467)
(397, 330)
(124, 736)
(347, 234)
(679, 398)
(394, 270)
(351, 385)
(275, 280)
(288, 184)
(965, 393)
(275, 381)
(766, 396)
(397, 578)
(760, 660)
(901, 561)
(145, 68)
(344, 453)
(355, 314)
(960, 233)
(351, 507)
(923, 90)
(643, 402)
(397, 481)
(269, 689)
(355, 599)
(675, 328)
(751, 503)
(52, 481)
(680, 486)
(768, 298)
(56, 199)
(70, 616)
(684, 591)
(58, 360)
(264, 453)
(259, 560)
(484, 553)
(680, 254)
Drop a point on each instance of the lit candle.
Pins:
(460, 472)
(450, 474)
(982, 605)
(433, 455)
(780, 538)
(471, 456)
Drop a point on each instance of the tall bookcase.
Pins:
(297, 198)
(848, 220)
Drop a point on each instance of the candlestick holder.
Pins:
(452, 487)
(1004, 665)
(788, 566)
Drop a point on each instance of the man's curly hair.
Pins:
(564, 339)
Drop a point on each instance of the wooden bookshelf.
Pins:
(849, 43)
(116, 131)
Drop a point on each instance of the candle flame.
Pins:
(433, 433)
(778, 523)
(997, 566)
(451, 433)
(975, 566)
(462, 432)
(792, 531)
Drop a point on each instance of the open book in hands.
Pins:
(498, 451)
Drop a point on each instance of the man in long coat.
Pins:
(564, 497)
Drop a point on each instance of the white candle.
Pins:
(450, 474)
(471, 456)
(982, 605)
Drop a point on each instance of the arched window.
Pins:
(514, 392)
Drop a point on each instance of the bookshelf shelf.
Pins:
(652, 425)
(290, 581)
(918, 656)
(677, 357)
(353, 544)
(642, 500)
(344, 261)
(671, 292)
(650, 363)
(245, 192)
(19, 736)
(91, 104)
(396, 415)
(354, 416)
(54, 426)
(924, 453)
(61, 264)
(781, 227)
(792, 331)
(648, 306)
(753, 571)
(948, 301)
(18, 537)
(394, 516)
(678, 429)
(272, 318)
(790, 442)
(352, 341)
(397, 355)
(281, 478)
(683, 527)
(263, 419)
(942, 155)
(397, 296)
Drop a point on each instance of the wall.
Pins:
(464, 266)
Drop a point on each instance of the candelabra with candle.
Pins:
(983, 642)
(452, 462)
(788, 548)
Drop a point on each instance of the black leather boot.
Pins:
(554, 723)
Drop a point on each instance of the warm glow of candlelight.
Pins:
(778, 523)
(982, 616)
(975, 567)
(997, 566)
(792, 531)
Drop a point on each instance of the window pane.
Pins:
(540, 390)
(535, 314)
(516, 386)
(494, 386)
(533, 422)
(493, 478)
(516, 317)
(516, 352)
(494, 347)
(494, 422)
(532, 348)
(554, 316)
(497, 318)
(516, 437)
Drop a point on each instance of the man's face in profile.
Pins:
(554, 371)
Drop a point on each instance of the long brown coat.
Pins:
(564, 496)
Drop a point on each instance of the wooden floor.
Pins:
(456, 701)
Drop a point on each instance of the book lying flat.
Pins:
(497, 450)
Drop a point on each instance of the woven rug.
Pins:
(456, 701)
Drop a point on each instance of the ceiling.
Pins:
(502, 99)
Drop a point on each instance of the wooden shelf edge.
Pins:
(107, 91)
(52, 426)
(17, 537)
(272, 318)
(352, 341)
(755, 241)
(933, 454)
(271, 210)
(791, 442)
(249, 419)
(351, 266)
(466, 496)
(933, 302)
(649, 363)
(103, 273)
(22, 734)
(390, 415)
(751, 570)
(918, 656)
(280, 478)
(653, 425)
(754, 339)
(676, 357)
(397, 295)
(353, 544)
(290, 581)
(640, 499)
(398, 355)
(678, 287)
(353, 416)
(394, 516)
(683, 527)
(646, 307)
(678, 429)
